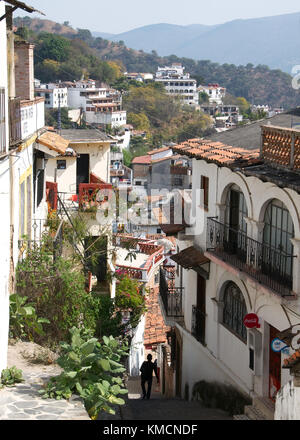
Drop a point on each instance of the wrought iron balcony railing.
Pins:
(268, 265)
(171, 297)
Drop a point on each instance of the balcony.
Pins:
(266, 264)
(171, 296)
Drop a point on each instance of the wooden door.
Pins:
(83, 169)
(201, 309)
(274, 367)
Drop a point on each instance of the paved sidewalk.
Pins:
(158, 408)
(23, 402)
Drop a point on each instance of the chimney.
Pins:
(24, 70)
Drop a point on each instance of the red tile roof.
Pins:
(159, 150)
(145, 160)
(155, 328)
(215, 152)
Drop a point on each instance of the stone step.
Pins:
(265, 406)
(254, 413)
(241, 417)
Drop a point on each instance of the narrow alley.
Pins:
(158, 408)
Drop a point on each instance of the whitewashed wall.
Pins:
(32, 118)
(226, 357)
(288, 403)
(4, 258)
(136, 355)
(5, 208)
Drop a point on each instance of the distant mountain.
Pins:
(272, 41)
(103, 35)
(163, 37)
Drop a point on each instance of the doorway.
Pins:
(274, 367)
(83, 170)
(200, 310)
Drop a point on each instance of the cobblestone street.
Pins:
(158, 408)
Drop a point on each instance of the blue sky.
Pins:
(118, 16)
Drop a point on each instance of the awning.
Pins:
(54, 142)
(192, 258)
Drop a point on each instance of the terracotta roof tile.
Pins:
(215, 152)
(142, 160)
(155, 328)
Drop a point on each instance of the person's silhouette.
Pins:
(146, 370)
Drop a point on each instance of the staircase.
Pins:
(262, 408)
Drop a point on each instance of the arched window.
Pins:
(278, 249)
(234, 310)
(236, 209)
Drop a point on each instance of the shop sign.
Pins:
(251, 321)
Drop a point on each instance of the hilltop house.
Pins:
(178, 84)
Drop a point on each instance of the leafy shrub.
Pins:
(92, 371)
(56, 289)
(24, 322)
(218, 395)
(129, 297)
(11, 376)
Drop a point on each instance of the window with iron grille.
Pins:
(2, 121)
(278, 232)
(234, 311)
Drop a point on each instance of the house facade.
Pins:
(243, 258)
(55, 96)
(101, 106)
(178, 83)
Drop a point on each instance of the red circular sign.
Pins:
(251, 321)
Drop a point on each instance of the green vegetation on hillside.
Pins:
(89, 55)
(162, 117)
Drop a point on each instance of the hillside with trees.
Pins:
(87, 55)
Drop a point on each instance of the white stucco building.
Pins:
(21, 117)
(178, 83)
(215, 92)
(101, 106)
(242, 258)
(55, 96)
(4, 195)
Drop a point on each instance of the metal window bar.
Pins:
(269, 266)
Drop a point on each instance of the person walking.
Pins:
(146, 370)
